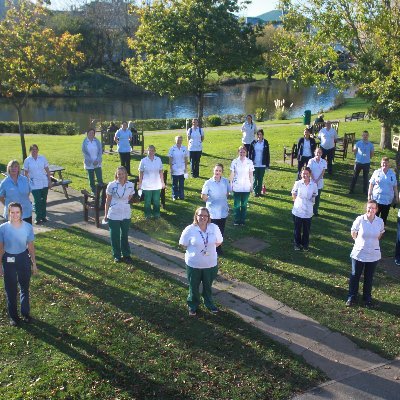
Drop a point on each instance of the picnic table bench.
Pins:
(60, 181)
(356, 115)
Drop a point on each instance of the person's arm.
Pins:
(116, 138)
(202, 134)
(162, 178)
(170, 164)
(31, 250)
(186, 165)
(396, 193)
(231, 177)
(107, 206)
(251, 177)
(204, 197)
(140, 179)
(355, 149)
(48, 176)
(354, 234)
(371, 154)
(1, 258)
(370, 188)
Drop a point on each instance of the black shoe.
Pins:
(44, 220)
(127, 259)
(117, 260)
(14, 322)
(27, 319)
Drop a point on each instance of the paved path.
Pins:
(355, 373)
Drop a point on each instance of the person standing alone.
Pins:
(328, 137)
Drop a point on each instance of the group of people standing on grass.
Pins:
(203, 238)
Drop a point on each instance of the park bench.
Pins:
(356, 115)
(342, 144)
(94, 202)
(60, 181)
(290, 154)
(107, 139)
(316, 127)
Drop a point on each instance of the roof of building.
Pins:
(271, 16)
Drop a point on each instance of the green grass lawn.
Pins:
(313, 283)
(108, 331)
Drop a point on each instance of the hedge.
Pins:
(45, 128)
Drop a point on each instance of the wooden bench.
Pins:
(356, 115)
(396, 146)
(60, 181)
(94, 202)
(290, 154)
(341, 147)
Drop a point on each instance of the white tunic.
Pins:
(119, 207)
(151, 173)
(241, 174)
(36, 172)
(305, 197)
(178, 159)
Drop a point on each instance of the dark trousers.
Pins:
(258, 175)
(357, 268)
(221, 225)
(119, 230)
(303, 161)
(18, 272)
(397, 255)
(40, 203)
(99, 176)
(178, 185)
(126, 161)
(247, 147)
(316, 204)
(302, 224)
(194, 157)
(328, 154)
(358, 167)
(195, 276)
(383, 211)
(240, 200)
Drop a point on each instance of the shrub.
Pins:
(260, 114)
(45, 128)
(281, 114)
(214, 120)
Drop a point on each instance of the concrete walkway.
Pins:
(355, 373)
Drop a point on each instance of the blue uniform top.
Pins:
(384, 184)
(16, 192)
(15, 240)
(217, 202)
(123, 140)
(363, 154)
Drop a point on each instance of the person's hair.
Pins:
(387, 159)
(11, 164)
(306, 169)
(195, 119)
(122, 169)
(373, 202)
(200, 209)
(242, 147)
(366, 132)
(316, 149)
(177, 137)
(249, 115)
(328, 122)
(307, 130)
(219, 165)
(14, 204)
(260, 131)
(31, 147)
(91, 129)
(152, 147)
(124, 122)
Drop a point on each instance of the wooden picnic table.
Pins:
(60, 181)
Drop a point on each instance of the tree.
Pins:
(347, 42)
(180, 43)
(31, 54)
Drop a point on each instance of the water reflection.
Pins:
(235, 99)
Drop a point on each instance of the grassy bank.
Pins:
(314, 283)
(110, 332)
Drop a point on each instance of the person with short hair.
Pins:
(178, 160)
(383, 188)
(303, 194)
(118, 214)
(36, 169)
(318, 167)
(201, 239)
(15, 188)
(328, 137)
(249, 130)
(92, 158)
(259, 155)
(305, 150)
(17, 262)
(241, 181)
(195, 137)
(364, 151)
(123, 138)
(366, 231)
(151, 181)
(215, 193)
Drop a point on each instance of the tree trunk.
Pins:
(200, 107)
(386, 136)
(21, 133)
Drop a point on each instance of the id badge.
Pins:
(11, 259)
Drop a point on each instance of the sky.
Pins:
(257, 7)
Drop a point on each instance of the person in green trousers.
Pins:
(241, 180)
(201, 239)
(118, 214)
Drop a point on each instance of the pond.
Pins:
(230, 99)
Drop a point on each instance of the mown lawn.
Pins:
(313, 283)
(106, 331)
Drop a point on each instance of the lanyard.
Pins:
(116, 191)
(205, 241)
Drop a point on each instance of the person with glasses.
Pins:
(201, 239)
